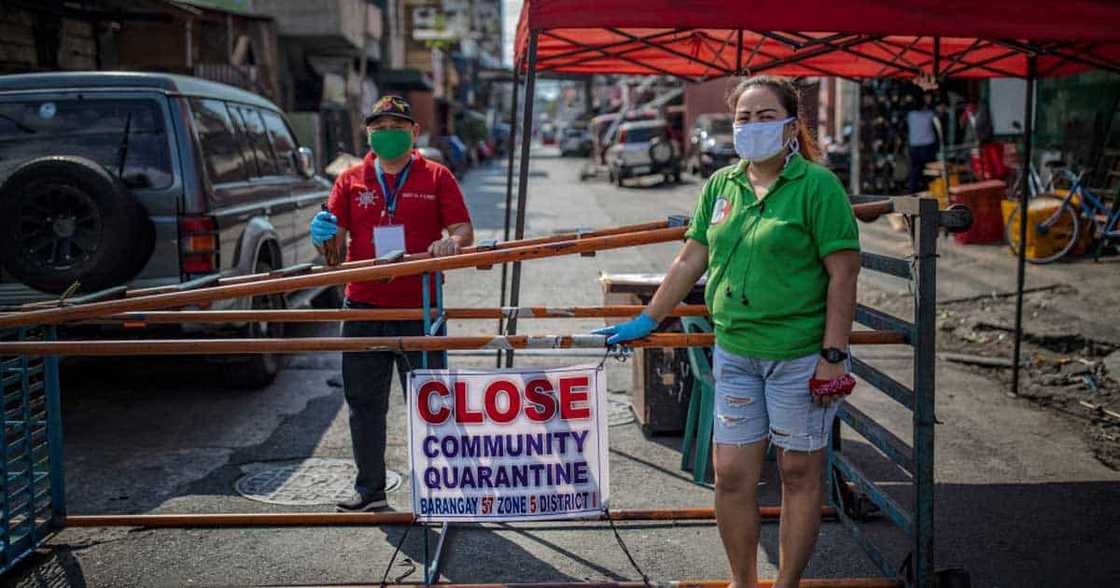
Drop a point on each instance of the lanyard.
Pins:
(391, 196)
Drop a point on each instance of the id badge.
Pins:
(388, 238)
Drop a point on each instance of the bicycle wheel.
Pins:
(1049, 239)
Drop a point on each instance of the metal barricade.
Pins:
(853, 494)
(32, 494)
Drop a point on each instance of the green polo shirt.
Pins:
(767, 286)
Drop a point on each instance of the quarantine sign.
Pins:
(505, 445)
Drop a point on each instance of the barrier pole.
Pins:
(175, 317)
(509, 196)
(762, 583)
(427, 314)
(420, 343)
(54, 434)
(506, 244)
(121, 300)
(289, 519)
(925, 360)
(335, 277)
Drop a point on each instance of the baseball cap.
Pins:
(391, 106)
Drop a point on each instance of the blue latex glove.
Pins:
(323, 227)
(636, 328)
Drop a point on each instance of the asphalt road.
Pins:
(1020, 502)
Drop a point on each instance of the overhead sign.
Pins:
(506, 445)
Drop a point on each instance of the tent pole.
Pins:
(589, 94)
(936, 58)
(739, 52)
(509, 191)
(1024, 205)
(523, 180)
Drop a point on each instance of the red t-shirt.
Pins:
(429, 201)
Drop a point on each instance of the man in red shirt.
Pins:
(394, 200)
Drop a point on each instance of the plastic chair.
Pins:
(696, 451)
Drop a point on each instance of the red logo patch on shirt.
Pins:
(720, 210)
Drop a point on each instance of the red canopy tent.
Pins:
(854, 38)
(704, 39)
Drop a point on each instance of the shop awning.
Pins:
(705, 39)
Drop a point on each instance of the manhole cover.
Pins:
(309, 482)
(619, 412)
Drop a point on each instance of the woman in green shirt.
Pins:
(779, 241)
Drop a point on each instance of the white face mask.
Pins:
(761, 140)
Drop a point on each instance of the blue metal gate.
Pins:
(32, 495)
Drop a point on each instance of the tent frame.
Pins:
(806, 47)
(921, 563)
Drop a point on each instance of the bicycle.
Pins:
(1065, 223)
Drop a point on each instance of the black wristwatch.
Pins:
(833, 355)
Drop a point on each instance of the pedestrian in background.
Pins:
(922, 138)
(395, 200)
(779, 241)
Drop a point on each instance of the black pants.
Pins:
(367, 377)
(920, 155)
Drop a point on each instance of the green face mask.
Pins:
(390, 143)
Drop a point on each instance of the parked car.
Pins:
(642, 149)
(711, 144)
(604, 130)
(575, 141)
(145, 179)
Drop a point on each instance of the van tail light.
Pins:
(622, 136)
(198, 244)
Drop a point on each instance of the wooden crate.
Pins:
(661, 382)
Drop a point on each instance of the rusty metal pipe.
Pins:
(521, 250)
(339, 276)
(697, 514)
(871, 211)
(385, 314)
(568, 236)
(285, 519)
(762, 583)
(277, 519)
(421, 343)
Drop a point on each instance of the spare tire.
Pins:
(67, 219)
(660, 151)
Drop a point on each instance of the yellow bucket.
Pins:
(1045, 245)
(937, 189)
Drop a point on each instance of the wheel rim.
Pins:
(58, 226)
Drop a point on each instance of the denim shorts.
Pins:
(759, 398)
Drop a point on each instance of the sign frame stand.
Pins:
(433, 327)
